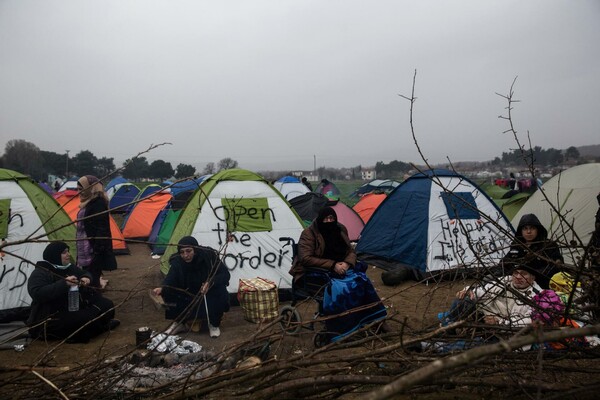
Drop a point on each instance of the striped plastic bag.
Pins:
(258, 298)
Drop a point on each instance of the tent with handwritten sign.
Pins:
(165, 221)
(29, 217)
(435, 221)
(241, 215)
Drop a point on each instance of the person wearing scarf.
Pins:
(94, 242)
(49, 286)
(326, 266)
(197, 280)
(324, 246)
(532, 248)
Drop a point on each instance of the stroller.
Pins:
(332, 295)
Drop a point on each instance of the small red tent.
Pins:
(138, 223)
(350, 219)
(367, 205)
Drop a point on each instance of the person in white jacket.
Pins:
(506, 301)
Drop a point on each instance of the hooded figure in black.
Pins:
(532, 248)
(326, 265)
(325, 246)
(49, 286)
(196, 275)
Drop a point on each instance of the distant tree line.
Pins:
(537, 156)
(393, 170)
(25, 157)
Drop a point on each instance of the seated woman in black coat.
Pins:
(49, 285)
(197, 280)
(532, 248)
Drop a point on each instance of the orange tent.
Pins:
(138, 223)
(367, 205)
(69, 201)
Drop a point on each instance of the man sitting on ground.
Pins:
(506, 301)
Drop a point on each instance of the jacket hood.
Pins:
(53, 252)
(532, 220)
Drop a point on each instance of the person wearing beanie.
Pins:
(197, 280)
(326, 260)
(94, 242)
(505, 301)
(532, 248)
(49, 286)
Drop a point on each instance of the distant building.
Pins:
(368, 174)
(310, 176)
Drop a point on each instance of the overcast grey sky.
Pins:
(272, 83)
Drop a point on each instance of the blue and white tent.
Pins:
(112, 186)
(290, 187)
(434, 221)
(122, 198)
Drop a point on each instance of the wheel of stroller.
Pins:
(290, 320)
(321, 339)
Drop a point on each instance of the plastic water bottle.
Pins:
(74, 298)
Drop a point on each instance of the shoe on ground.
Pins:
(175, 328)
(214, 331)
(113, 324)
(103, 283)
(195, 326)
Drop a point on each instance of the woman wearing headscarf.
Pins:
(326, 265)
(49, 286)
(197, 280)
(532, 248)
(324, 246)
(94, 242)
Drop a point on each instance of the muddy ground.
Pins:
(416, 303)
(412, 306)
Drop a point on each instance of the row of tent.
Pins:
(436, 220)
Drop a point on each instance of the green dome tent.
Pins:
(29, 218)
(241, 215)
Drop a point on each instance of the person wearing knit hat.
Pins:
(531, 247)
(94, 242)
(505, 301)
(49, 285)
(195, 289)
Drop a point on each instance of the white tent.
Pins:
(436, 220)
(29, 217)
(238, 213)
(290, 187)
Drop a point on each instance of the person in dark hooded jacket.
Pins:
(49, 286)
(532, 248)
(197, 280)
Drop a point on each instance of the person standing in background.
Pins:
(307, 183)
(94, 241)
